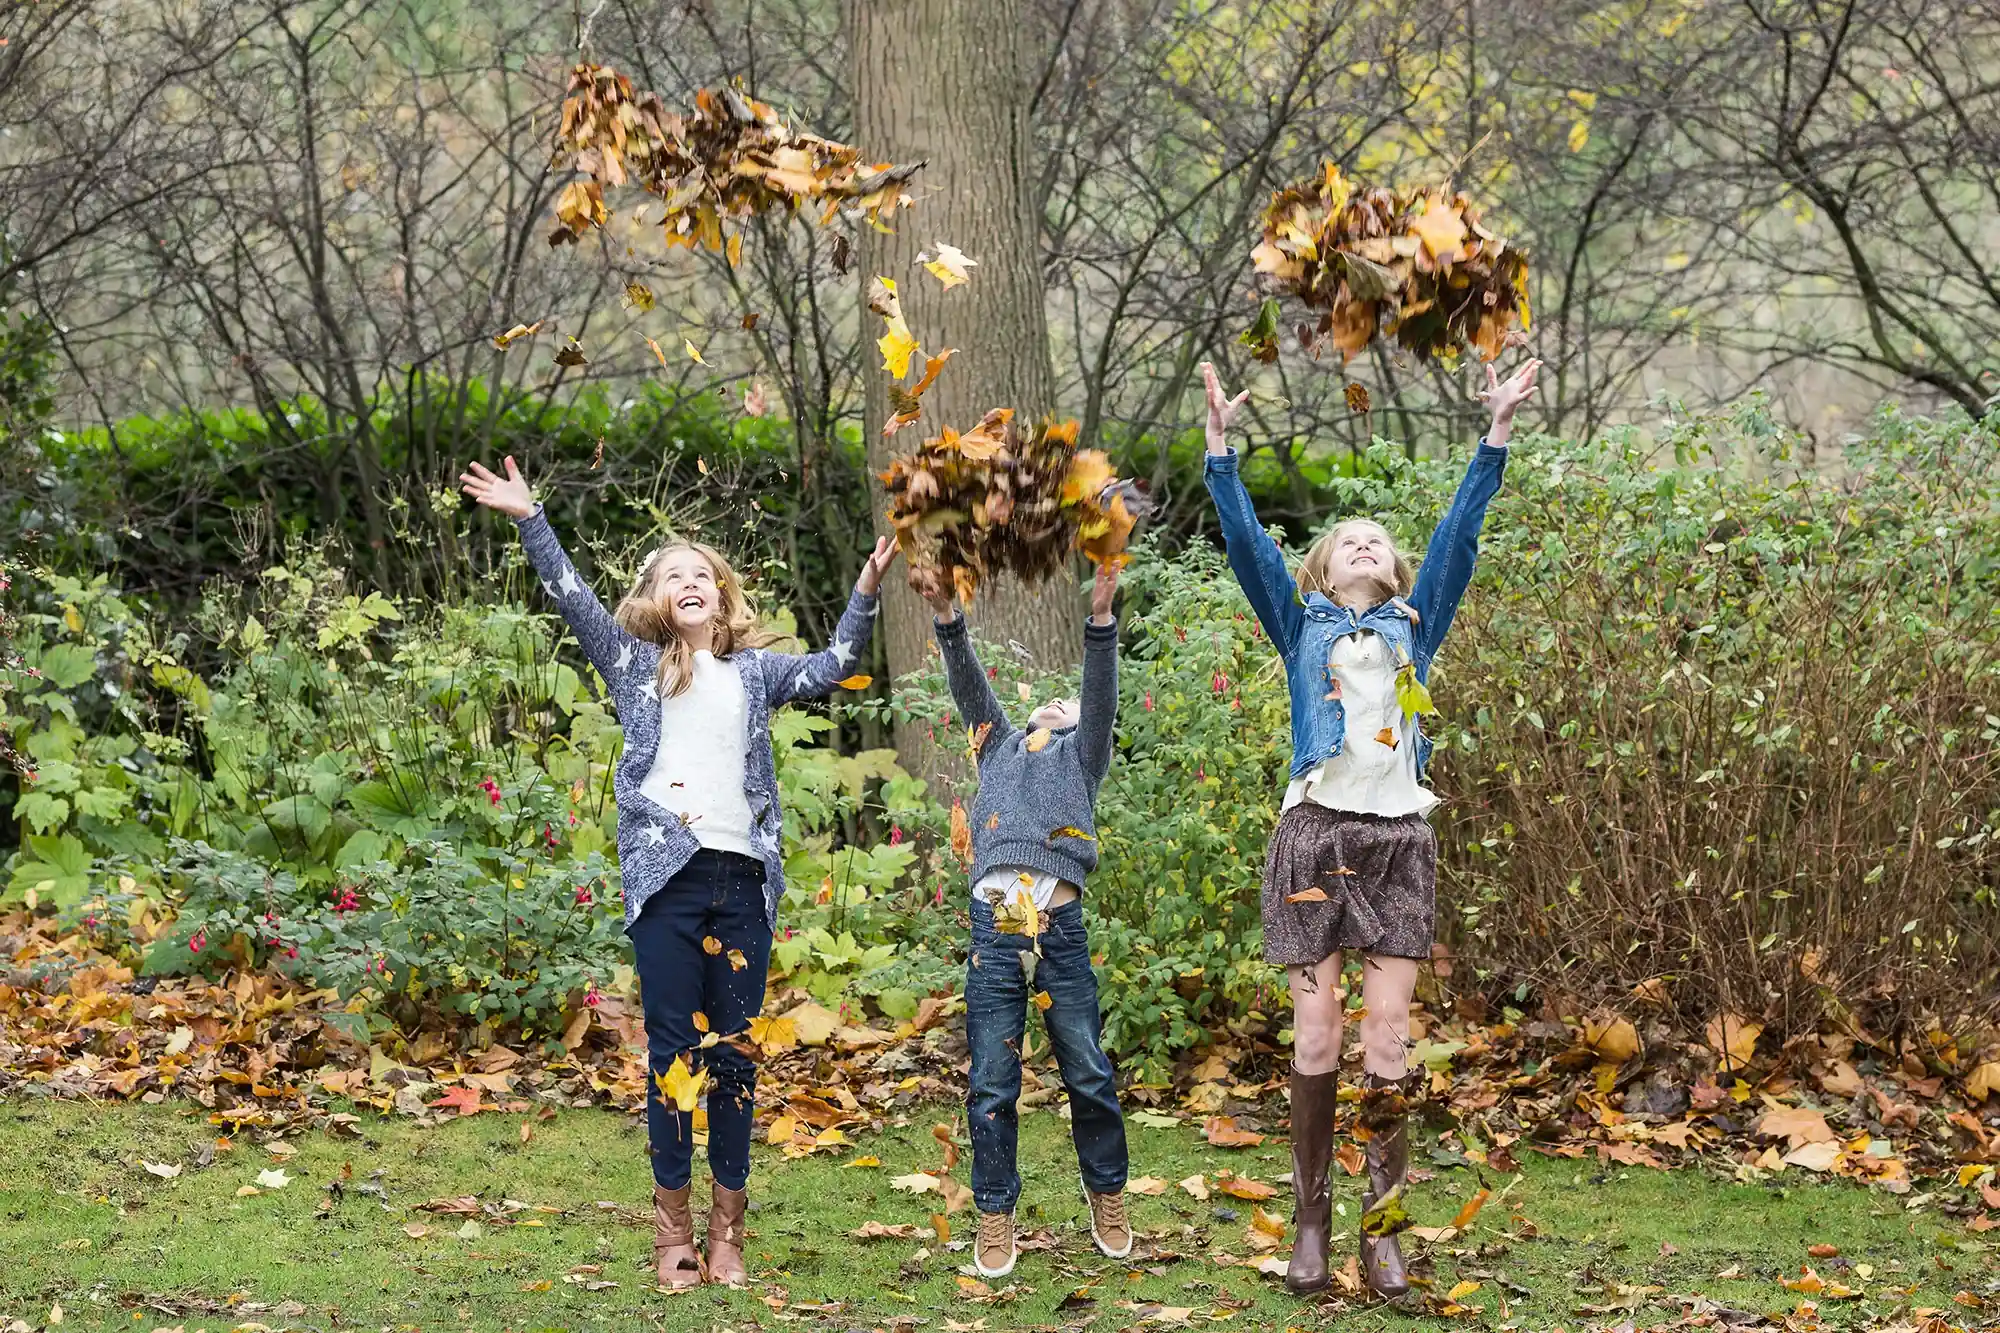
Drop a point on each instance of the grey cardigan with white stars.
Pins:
(653, 844)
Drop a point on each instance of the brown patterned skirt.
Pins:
(1386, 905)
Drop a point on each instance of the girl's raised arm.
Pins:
(810, 675)
(603, 641)
(1259, 565)
(1454, 547)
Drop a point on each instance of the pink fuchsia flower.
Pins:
(895, 835)
(549, 835)
(593, 997)
(1201, 773)
(90, 921)
(198, 941)
(492, 790)
(347, 902)
(292, 952)
(583, 895)
(993, 673)
(1149, 701)
(1220, 683)
(572, 819)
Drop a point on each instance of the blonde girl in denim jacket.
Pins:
(1352, 863)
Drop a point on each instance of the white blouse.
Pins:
(1367, 777)
(697, 771)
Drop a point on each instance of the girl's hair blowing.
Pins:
(645, 614)
(1315, 573)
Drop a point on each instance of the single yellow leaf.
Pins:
(857, 682)
(694, 353)
(1579, 135)
(1038, 738)
(711, 946)
(680, 1087)
(897, 347)
(737, 962)
(639, 296)
(1314, 894)
(1042, 1000)
(700, 1021)
(949, 265)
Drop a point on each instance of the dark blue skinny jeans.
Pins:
(719, 896)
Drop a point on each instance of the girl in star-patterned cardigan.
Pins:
(694, 680)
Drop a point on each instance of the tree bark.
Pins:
(950, 82)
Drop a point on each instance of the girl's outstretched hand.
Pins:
(1502, 397)
(1102, 592)
(1221, 409)
(878, 560)
(509, 494)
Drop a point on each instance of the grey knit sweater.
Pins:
(1026, 798)
(653, 844)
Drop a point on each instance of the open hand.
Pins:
(1103, 591)
(1502, 397)
(878, 560)
(509, 494)
(1221, 409)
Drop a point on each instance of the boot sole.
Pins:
(984, 1271)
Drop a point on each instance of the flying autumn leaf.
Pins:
(571, 355)
(948, 265)
(961, 834)
(750, 318)
(1038, 738)
(657, 352)
(679, 1087)
(1386, 736)
(693, 352)
(1357, 398)
(754, 402)
(1043, 1000)
(1017, 915)
(519, 331)
(638, 296)
(1387, 1217)
(711, 946)
(737, 962)
(856, 682)
(1071, 831)
(906, 404)
(700, 1021)
(1315, 894)
(1471, 1210)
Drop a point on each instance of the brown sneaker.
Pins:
(1109, 1226)
(993, 1252)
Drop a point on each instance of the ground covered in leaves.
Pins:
(149, 1217)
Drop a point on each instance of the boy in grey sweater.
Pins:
(1033, 842)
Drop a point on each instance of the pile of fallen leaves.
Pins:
(265, 1055)
(996, 500)
(728, 159)
(1417, 266)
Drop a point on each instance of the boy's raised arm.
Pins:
(970, 689)
(1099, 705)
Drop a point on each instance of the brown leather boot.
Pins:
(1385, 1118)
(725, 1237)
(673, 1239)
(1312, 1155)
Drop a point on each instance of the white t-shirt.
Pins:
(1009, 880)
(697, 771)
(1367, 777)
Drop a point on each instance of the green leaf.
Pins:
(1411, 694)
(383, 800)
(66, 665)
(61, 870)
(362, 847)
(42, 811)
(299, 814)
(897, 1002)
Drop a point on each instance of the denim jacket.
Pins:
(1304, 628)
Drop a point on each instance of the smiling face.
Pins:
(685, 583)
(1055, 715)
(1356, 564)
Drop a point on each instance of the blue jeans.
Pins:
(719, 896)
(996, 1016)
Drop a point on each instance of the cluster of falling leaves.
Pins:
(1416, 266)
(997, 500)
(728, 159)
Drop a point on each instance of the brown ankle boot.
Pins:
(1385, 1118)
(674, 1256)
(725, 1237)
(1312, 1155)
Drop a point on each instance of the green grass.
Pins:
(177, 1251)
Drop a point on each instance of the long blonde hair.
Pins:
(1315, 574)
(645, 614)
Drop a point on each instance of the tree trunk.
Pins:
(949, 82)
